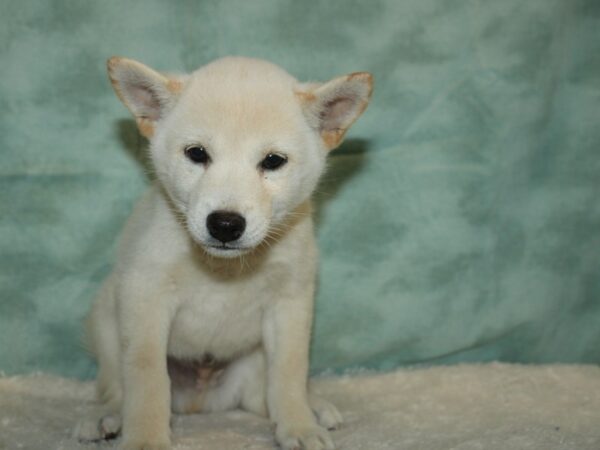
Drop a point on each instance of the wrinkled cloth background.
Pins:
(459, 222)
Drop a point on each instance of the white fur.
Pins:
(172, 292)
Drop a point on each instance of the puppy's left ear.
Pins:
(331, 108)
(147, 93)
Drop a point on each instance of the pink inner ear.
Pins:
(145, 101)
(336, 112)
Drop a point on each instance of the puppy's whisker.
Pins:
(276, 233)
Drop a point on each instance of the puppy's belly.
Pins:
(223, 330)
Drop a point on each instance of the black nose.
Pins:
(225, 226)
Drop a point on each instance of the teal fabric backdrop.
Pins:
(460, 221)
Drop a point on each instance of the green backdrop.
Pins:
(460, 221)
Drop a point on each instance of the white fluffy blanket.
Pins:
(488, 407)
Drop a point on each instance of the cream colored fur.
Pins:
(175, 292)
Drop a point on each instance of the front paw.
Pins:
(307, 437)
(145, 444)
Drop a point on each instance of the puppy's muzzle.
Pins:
(225, 226)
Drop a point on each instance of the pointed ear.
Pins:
(145, 92)
(333, 106)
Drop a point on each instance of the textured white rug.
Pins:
(488, 407)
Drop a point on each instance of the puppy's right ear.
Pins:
(332, 107)
(145, 92)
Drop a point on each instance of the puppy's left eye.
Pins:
(273, 161)
(197, 154)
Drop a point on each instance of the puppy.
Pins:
(209, 306)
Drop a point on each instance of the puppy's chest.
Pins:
(222, 318)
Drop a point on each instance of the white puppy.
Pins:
(210, 303)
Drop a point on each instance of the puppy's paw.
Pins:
(327, 414)
(101, 428)
(145, 444)
(310, 437)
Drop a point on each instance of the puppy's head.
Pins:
(239, 143)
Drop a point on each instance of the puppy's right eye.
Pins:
(273, 161)
(197, 154)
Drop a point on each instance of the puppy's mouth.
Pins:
(225, 250)
(228, 247)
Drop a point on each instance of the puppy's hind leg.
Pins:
(326, 413)
(243, 385)
(240, 385)
(102, 340)
(100, 425)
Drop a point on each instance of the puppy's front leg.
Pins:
(146, 393)
(287, 326)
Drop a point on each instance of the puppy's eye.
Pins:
(273, 161)
(197, 154)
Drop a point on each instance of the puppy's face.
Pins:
(239, 143)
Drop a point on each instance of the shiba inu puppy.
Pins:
(209, 306)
